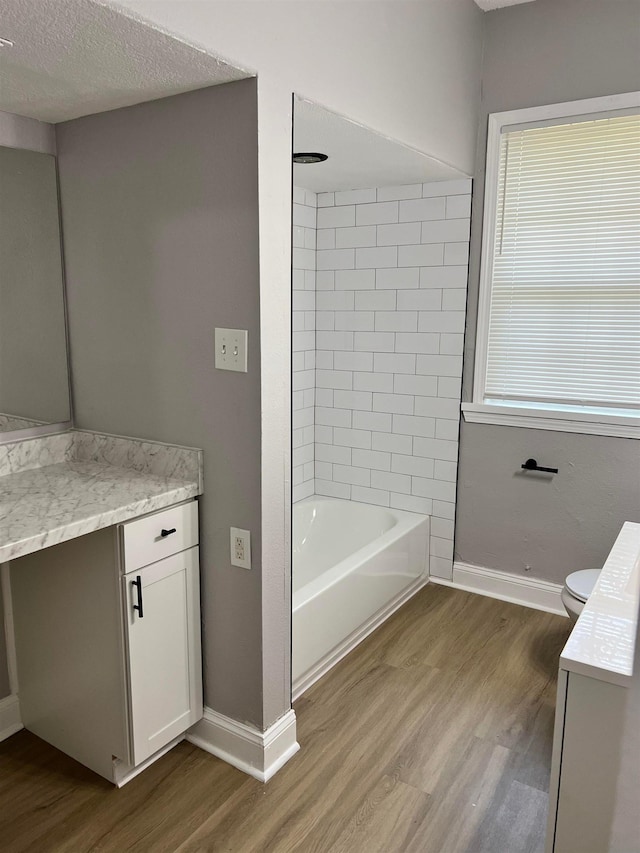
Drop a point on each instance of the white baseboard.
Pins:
(326, 663)
(10, 719)
(260, 754)
(529, 592)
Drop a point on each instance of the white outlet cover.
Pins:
(231, 349)
(245, 535)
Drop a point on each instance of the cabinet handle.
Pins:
(138, 585)
(164, 532)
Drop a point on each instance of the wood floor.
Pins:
(433, 736)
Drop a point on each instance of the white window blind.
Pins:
(564, 320)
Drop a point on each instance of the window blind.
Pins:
(564, 321)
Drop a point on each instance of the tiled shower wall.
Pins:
(304, 340)
(391, 276)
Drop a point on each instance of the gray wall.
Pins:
(5, 689)
(160, 219)
(537, 53)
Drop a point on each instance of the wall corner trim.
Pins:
(528, 592)
(259, 754)
(10, 719)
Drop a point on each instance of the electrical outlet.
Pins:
(240, 548)
(231, 349)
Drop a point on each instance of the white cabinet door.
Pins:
(163, 640)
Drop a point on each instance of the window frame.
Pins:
(534, 417)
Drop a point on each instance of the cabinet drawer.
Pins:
(154, 537)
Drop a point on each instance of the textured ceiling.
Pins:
(488, 5)
(358, 157)
(76, 57)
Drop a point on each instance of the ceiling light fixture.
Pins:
(308, 157)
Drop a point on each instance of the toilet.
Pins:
(577, 588)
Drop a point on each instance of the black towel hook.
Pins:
(532, 465)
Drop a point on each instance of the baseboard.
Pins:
(10, 719)
(260, 754)
(529, 592)
(326, 663)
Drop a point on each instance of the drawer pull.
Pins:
(138, 585)
(164, 532)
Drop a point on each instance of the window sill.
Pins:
(620, 427)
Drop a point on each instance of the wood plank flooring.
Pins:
(433, 736)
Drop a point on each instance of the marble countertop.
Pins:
(90, 482)
(602, 643)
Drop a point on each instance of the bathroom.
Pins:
(197, 248)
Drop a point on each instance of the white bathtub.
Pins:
(353, 565)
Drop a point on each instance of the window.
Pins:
(558, 341)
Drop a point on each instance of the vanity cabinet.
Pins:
(107, 631)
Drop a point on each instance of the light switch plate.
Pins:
(240, 548)
(231, 349)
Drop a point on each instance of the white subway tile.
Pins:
(377, 342)
(392, 443)
(425, 255)
(424, 386)
(304, 259)
(441, 321)
(370, 496)
(453, 300)
(440, 568)
(297, 400)
(325, 321)
(297, 321)
(447, 429)
(441, 547)
(458, 186)
(334, 340)
(303, 454)
(333, 259)
(450, 386)
(442, 528)
(352, 438)
(324, 434)
(309, 433)
(349, 474)
(332, 453)
(310, 238)
(303, 300)
(374, 421)
(336, 217)
(438, 407)
(400, 483)
(334, 379)
(446, 471)
(375, 300)
(333, 417)
(397, 404)
(353, 361)
(355, 321)
(439, 365)
(297, 361)
(298, 474)
(308, 396)
(326, 238)
(417, 210)
(394, 279)
(310, 279)
(334, 300)
(383, 256)
(397, 235)
(297, 438)
(459, 206)
(400, 192)
(380, 382)
(310, 360)
(444, 277)
(323, 470)
(456, 253)
(371, 459)
(410, 503)
(310, 198)
(352, 400)
(325, 280)
(355, 280)
(297, 236)
(396, 321)
(409, 425)
(303, 341)
(355, 196)
(298, 195)
(324, 396)
(303, 379)
(436, 449)
(436, 489)
(330, 489)
(380, 213)
(451, 344)
(394, 363)
(351, 238)
(419, 300)
(304, 216)
(417, 342)
(298, 279)
(326, 199)
(416, 466)
(309, 321)
(444, 509)
(445, 230)
(302, 491)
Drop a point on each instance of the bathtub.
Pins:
(353, 565)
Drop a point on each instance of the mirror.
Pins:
(34, 379)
